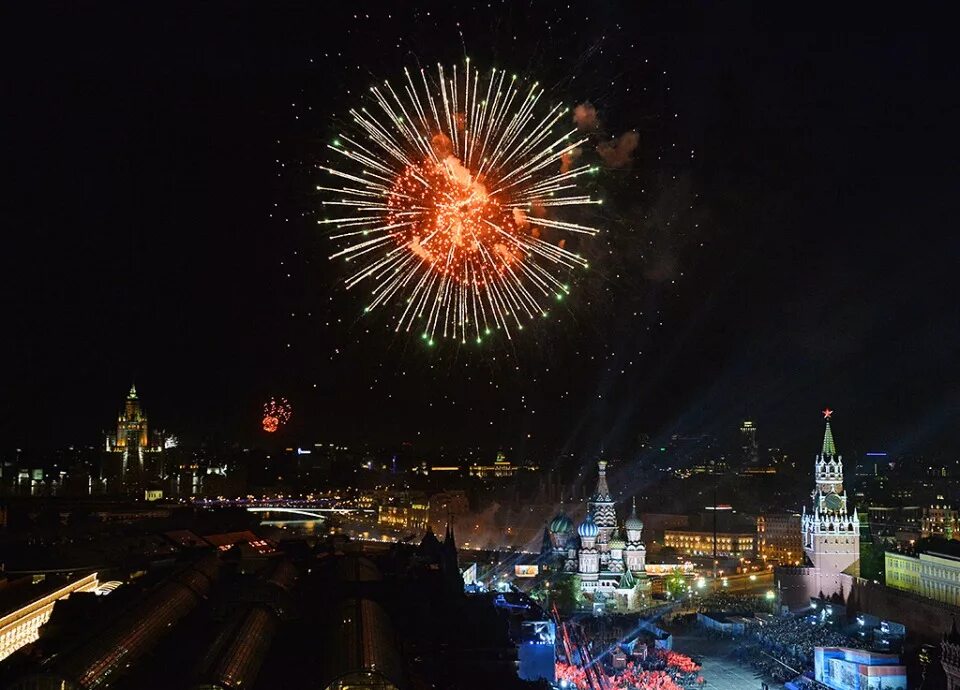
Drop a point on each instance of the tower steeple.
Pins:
(603, 491)
(601, 506)
(829, 448)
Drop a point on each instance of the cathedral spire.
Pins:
(603, 491)
(829, 448)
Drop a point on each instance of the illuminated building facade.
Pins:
(500, 468)
(610, 563)
(410, 513)
(132, 455)
(778, 538)
(19, 627)
(700, 543)
(932, 575)
(939, 521)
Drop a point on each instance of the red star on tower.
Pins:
(827, 412)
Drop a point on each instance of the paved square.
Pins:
(720, 671)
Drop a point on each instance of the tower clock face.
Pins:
(833, 502)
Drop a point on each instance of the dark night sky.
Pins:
(159, 228)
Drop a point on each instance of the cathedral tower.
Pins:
(588, 556)
(635, 553)
(602, 508)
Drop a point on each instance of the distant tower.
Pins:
(602, 508)
(748, 440)
(635, 553)
(831, 535)
(131, 441)
(589, 556)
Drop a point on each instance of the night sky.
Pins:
(783, 239)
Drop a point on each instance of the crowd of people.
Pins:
(784, 648)
(663, 671)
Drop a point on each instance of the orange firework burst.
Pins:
(275, 414)
(457, 185)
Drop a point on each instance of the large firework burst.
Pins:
(455, 191)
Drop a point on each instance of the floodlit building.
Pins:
(408, 512)
(500, 468)
(132, 453)
(611, 564)
(939, 520)
(932, 575)
(778, 538)
(27, 606)
(700, 543)
(97, 660)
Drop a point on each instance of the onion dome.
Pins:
(561, 524)
(633, 522)
(617, 542)
(588, 528)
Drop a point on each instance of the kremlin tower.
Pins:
(831, 534)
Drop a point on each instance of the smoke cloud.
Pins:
(585, 116)
(617, 153)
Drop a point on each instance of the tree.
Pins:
(872, 565)
(565, 592)
(675, 584)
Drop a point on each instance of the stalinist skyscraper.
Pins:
(126, 450)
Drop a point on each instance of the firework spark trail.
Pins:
(420, 215)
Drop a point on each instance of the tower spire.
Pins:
(829, 448)
(603, 491)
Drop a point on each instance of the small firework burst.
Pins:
(276, 413)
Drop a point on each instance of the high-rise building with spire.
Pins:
(129, 447)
